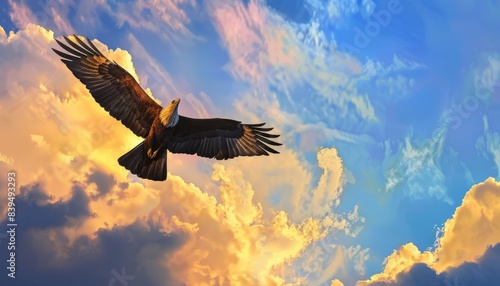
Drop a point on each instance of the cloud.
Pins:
(489, 143)
(415, 165)
(481, 273)
(336, 282)
(401, 260)
(86, 218)
(62, 142)
(477, 214)
(165, 18)
(49, 14)
(267, 51)
(235, 244)
(20, 14)
(135, 251)
(287, 185)
(394, 87)
(458, 251)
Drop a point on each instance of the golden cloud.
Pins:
(55, 135)
(336, 282)
(479, 213)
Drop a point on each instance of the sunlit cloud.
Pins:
(341, 9)
(411, 116)
(458, 245)
(194, 237)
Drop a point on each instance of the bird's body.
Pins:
(163, 129)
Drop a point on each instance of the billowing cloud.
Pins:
(92, 221)
(484, 272)
(165, 18)
(477, 215)
(44, 253)
(157, 79)
(336, 282)
(463, 249)
(20, 14)
(338, 10)
(63, 138)
(401, 260)
(273, 220)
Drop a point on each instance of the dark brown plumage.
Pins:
(163, 128)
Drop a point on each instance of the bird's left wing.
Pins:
(221, 138)
(111, 86)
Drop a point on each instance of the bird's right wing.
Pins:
(110, 85)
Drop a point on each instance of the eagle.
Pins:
(162, 128)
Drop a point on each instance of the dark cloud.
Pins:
(34, 211)
(484, 272)
(105, 182)
(123, 255)
(135, 253)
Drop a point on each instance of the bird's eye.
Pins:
(173, 101)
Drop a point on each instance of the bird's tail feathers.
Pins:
(139, 164)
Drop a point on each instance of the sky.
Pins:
(389, 173)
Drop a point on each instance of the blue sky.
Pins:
(406, 91)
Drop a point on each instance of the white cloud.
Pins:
(489, 77)
(416, 166)
(20, 14)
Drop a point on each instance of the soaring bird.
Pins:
(161, 127)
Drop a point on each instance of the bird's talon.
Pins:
(151, 154)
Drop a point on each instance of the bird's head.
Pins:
(169, 115)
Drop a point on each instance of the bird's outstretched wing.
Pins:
(221, 138)
(110, 85)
